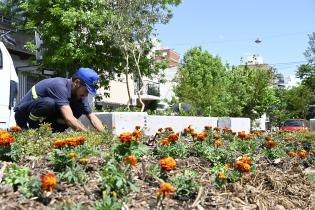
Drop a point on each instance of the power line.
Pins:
(241, 40)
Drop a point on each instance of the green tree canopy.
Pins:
(307, 71)
(202, 82)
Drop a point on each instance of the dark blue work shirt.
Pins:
(58, 89)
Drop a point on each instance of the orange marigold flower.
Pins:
(5, 138)
(16, 129)
(245, 159)
(238, 164)
(84, 161)
(188, 130)
(125, 137)
(217, 129)
(137, 127)
(216, 136)
(166, 189)
(73, 142)
(173, 137)
(271, 144)
(303, 153)
(160, 129)
(132, 160)
(222, 176)
(227, 166)
(313, 151)
(267, 138)
(245, 167)
(165, 142)
(169, 129)
(167, 163)
(137, 134)
(207, 127)
(218, 143)
(72, 155)
(202, 136)
(248, 137)
(48, 182)
(292, 154)
(241, 135)
(227, 130)
(194, 135)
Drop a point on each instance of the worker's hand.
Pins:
(97, 124)
(70, 120)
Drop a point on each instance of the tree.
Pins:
(307, 71)
(202, 82)
(131, 28)
(250, 90)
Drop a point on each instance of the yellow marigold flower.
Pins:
(218, 143)
(173, 137)
(313, 151)
(248, 137)
(167, 163)
(216, 136)
(166, 189)
(132, 160)
(84, 161)
(303, 153)
(165, 142)
(137, 134)
(72, 155)
(48, 182)
(125, 137)
(292, 154)
(222, 176)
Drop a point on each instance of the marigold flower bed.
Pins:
(211, 169)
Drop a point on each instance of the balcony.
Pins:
(150, 91)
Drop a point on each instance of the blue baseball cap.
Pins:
(90, 78)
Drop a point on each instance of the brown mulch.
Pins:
(272, 187)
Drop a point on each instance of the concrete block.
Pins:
(312, 124)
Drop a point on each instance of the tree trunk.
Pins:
(140, 78)
(127, 81)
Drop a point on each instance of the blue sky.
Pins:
(228, 28)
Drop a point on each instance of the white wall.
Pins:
(126, 121)
(312, 124)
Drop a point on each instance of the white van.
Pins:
(8, 88)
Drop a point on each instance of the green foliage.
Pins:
(202, 82)
(186, 184)
(178, 149)
(207, 84)
(107, 203)
(116, 180)
(306, 72)
(74, 174)
(20, 178)
(120, 150)
(33, 142)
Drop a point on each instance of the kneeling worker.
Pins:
(59, 101)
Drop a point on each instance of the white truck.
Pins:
(8, 88)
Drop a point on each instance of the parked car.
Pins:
(294, 125)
